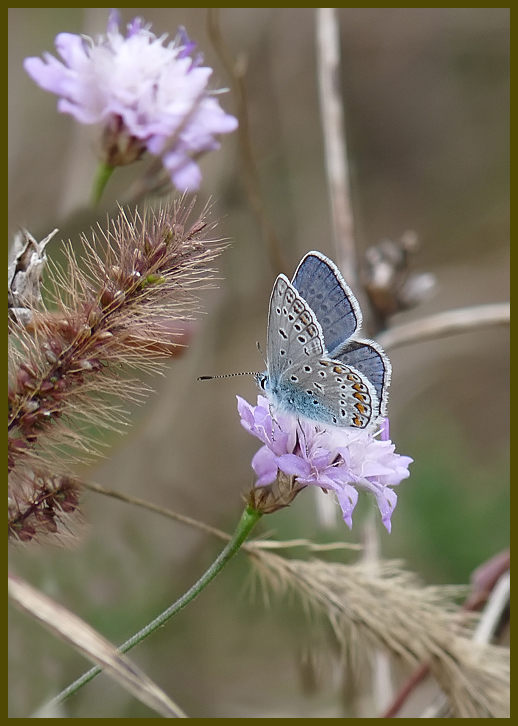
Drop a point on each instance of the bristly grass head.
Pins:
(111, 307)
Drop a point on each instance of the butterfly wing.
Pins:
(293, 331)
(301, 379)
(368, 358)
(320, 283)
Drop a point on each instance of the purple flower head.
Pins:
(147, 96)
(343, 460)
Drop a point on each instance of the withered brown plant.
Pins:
(72, 361)
(386, 608)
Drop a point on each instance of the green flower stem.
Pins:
(248, 520)
(104, 172)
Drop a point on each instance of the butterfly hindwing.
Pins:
(369, 359)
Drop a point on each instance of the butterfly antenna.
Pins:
(227, 375)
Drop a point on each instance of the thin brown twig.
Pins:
(450, 322)
(157, 509)
(250, 546)
(236, 74)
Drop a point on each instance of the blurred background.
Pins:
(427, 117)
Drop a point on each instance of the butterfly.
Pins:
(316, 367)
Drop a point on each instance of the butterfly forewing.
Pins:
(293, 331)
(321, 285)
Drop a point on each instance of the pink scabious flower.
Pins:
(343, 460)
(147, 96)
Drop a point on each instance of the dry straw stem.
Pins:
(332, 115)
(85, 639)
(451, 322)
(387, 609)
(71, 372)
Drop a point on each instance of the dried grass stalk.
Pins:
(388, 609)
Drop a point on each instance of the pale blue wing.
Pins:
(293, 331)
(301, 379)
(368, 358)
(320, 283)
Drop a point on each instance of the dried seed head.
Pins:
(71, 364)
(40, 504)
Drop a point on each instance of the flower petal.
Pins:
(158, 93)
(265, 466)
(344, 460)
